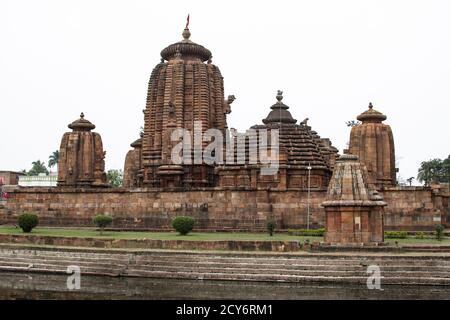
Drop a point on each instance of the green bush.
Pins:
(27, 221)
(271, 225)
(395, 234)
(439, 231)
(102, 221)
(420, 235)
(307, 233)
(183, 225)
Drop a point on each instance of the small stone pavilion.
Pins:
(353, 208)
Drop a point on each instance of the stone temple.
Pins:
(351, 194)
(187, 89)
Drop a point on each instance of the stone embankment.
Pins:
(396, 269)
(251, 245)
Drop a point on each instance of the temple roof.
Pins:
(81, 124)
(371, 115)
(186, 48)
(350, 185)
(279, 112)
(300, 143)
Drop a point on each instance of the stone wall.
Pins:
(244, 245)
(409, 208)
(415, 208)
(213, 209)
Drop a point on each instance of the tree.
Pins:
(434, 171)
(446, 170)
(102, 221)
(271, 225)
(410, 180)
(439, 231)
(38, 167)
(183, 224)
(53, 159)
(27, 222)
(115, 177)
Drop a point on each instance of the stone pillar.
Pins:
(353, 208)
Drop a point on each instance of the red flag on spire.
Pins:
(187, 21)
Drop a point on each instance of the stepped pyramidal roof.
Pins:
(302, 145)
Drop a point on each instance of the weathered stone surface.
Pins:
(278, 246)
(299, 148)
(81, 162)
(183, 89)
(143, 208)
(132, 173)
(373, 142)
(214, 209)
(353, 208)
(400, 269)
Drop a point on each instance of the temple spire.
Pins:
(186, 32)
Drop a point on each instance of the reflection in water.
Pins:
(44, 286)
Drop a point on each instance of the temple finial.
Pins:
(186, 32)
(279, 95)
(82, 115)
(370, 105)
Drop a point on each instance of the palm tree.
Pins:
(38, 167)
(53, 159)
(430, 171)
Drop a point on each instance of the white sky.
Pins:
(331, 58)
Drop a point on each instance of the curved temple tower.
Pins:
(373, 142)
(81, 162)
(185, 91)
(133, 163)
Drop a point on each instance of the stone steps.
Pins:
(212, 265)
(396, 269)
(192, 260)
(317, 271)
(435, 249)
(331, 260)
(51, 268)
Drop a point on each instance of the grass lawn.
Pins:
(202, 236)
(205, 236)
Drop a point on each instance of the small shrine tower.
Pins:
(373, 142)
(81, 162)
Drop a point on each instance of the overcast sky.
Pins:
(331, 58)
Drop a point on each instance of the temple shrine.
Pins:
(354, 195)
